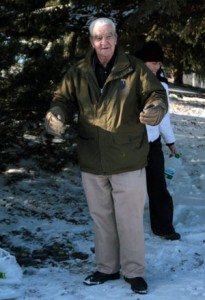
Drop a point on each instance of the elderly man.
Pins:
(115, 95)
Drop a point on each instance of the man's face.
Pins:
(154, 66)
(103, 41)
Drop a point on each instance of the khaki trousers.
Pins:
(116, 205)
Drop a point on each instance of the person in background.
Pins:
(160, 201)
(114, 95)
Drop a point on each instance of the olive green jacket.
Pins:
(111, 139)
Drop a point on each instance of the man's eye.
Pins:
(97, 38)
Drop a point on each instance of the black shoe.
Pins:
(170, 236)
(99, 278)
(138, 284)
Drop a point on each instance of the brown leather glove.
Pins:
(54, 121)
(153, 113)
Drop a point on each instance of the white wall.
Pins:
(194, 80)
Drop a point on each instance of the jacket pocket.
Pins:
(128, 140)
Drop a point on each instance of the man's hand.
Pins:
(153, 114)
(53, 122)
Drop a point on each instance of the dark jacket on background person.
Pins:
(109, 131)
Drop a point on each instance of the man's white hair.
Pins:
(101, 21)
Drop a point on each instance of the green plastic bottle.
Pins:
(2, 275)
(172, 165)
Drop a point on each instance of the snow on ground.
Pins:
(48, 208)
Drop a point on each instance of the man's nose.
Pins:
(104, 40)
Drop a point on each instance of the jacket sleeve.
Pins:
(165, 126)
(151, 88)
(64, 97)
(155, 98)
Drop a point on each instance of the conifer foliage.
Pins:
(40, 39)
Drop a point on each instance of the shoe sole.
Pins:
(91, 283)
(140, 292)
(88, 282)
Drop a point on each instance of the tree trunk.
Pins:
(178, 74)
(70, 41)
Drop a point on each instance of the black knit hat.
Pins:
(151, 51)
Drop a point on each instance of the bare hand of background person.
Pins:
(172, 149)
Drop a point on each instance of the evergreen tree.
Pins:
(40, 39)
(179, 26)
